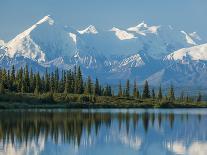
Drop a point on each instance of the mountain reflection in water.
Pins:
(103, 132)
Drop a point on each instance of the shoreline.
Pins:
(8, 106)
(75, 101)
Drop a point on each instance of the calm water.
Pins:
(104, 132)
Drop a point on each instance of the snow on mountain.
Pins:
(156, 41)
(42, 42)
(2, 49)
(194, 35)
(91, 29)
(132, 61)
(2, 43)
(143, 29)
(188, 38)
(2, 52)
(188, 54)
(133, 53)
(121, 34)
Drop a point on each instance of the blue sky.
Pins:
(189, 15)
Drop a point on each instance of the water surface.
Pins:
(101, 132)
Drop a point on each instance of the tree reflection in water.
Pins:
(71, 126)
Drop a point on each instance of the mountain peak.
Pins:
(142, 24)
(46, 19)
(121, 34)
(143, 28)
(188, 54)
(89, 29)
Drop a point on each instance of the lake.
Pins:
(104, 132)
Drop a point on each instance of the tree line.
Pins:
(24, 80)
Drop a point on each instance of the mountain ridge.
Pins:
(141, 52)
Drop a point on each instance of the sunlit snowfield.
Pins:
(101, 132)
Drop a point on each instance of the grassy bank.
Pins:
(26, 101)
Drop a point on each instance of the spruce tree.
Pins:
(199, 98)
(0, 74)
(52, 83)
(146, 92)
(79, 81)
(153, 93)
(89, 86)
(26, 79)
(135, 89)
(47, 81)
(67, 87)
(13, 79)
(138, 94)
(159, 95)
(2, 89)
(37, 86)
(127, 91)
(97, 91)
(8, 81)
(20, 80)
(56, 80)
(31, 89)
(120, 92)
(171, 94)
(182, 96)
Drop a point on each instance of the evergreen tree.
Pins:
(0, 74)
(8, 81)
(20, 80)
(89, 86)
(2, 89)
(13, 79)
(159, 95)
(199, 98)
(153, 93)
(62, 82)
(146, 92)
(135, 89)
(31, 84)
(138, 94)
(38, 83)
(97, 91)
(187, 98)
(47, 81)
(52, 83)
(79, 82)
(26, 79)
(67, 87)
(127, 91)
(120, 93)
(56, 80)
(171, 94)
(182, 96)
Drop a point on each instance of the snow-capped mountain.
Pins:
(195, 53)
(42, 42)
(156, 53)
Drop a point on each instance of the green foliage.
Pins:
(159, 95)
(153, 94)
(70, 87)
(2, 90)
(171, 94)
(120, 92)
(127, 90)
(89, 86)
(146, 92)
(199, 98)
(97, 88)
